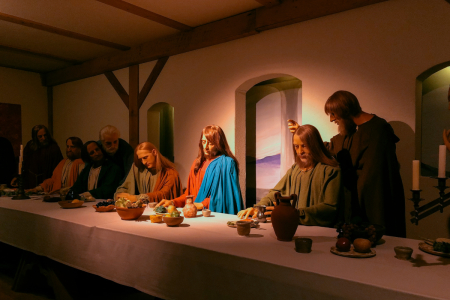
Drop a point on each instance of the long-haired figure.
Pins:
(152, 175)
(41, 155)
(214, 176)
(315, 178)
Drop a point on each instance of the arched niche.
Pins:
(263, 106)
(432, 116)
(160, 120)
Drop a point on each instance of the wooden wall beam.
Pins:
(50, 108)
(25, 69)
(139, 11)
(239, 26)
(133, 106)
(118, 87)
(63, 32)
(151, 80)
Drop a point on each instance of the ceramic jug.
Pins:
(285, 217)
(190, 210)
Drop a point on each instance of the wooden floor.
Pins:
(38, 288)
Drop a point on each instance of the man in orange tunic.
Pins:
(67, 171)
(152, 177)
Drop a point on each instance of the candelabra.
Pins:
(438, 204)
(20, 191)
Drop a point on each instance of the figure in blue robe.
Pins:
(221, 184)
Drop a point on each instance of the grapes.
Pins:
(105, 203)
(353, 231)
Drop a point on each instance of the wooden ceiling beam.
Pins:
(139, 11)
(59, 31)
(269, 3)
(22, 69)
(225, 30)
(38, 53)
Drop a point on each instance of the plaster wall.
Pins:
(24, 88)
(376, 52)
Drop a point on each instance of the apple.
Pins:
(343, 244)
(362, 245)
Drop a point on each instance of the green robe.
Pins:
(319, 192)
(138, 182)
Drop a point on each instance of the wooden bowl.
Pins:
(69, 204)
(130, 213)
(173, 221)
(104, 208)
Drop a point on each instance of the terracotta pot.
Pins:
(285, 217)
(190, 210)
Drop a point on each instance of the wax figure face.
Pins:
(43, 137)
(345, 125)
(148, 158)
(303, 152)
(72, 151)
(95, 152)
(111, 143)
(209, 149)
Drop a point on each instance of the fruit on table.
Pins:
(362, 245)
(343, 244)
(161, 209)
(75, 201)
(175, 214)
(171, 208)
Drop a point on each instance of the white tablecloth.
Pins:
(205, 259)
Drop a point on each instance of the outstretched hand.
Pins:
(293, 126)
(165, 203)
(243, 214)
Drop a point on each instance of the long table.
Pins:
(205, 259)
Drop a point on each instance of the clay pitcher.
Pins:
(190, 210)
(285, 217)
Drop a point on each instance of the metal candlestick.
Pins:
(438, 204)
(20, 191)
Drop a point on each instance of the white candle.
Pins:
(442, 160)
(21, 154)
(20, 168)
(416, 173)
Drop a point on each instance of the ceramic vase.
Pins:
(190, 210)
(285, 217)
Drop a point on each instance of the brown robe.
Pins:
(168, 186)
(371, 175)
(39, 164)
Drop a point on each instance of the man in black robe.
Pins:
(366, 151)
(41, 155)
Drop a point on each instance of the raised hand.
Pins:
(293, 126)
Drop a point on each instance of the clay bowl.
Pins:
(69, 204)
(104, 208)
(173, 221)
(130, 213)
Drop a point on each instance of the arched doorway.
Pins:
(432, 116)
(160, 120)
(266, 141)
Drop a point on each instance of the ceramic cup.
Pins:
(403, 253)
(303, 245)
(243, 228)
(206, 212)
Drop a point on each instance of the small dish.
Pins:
(352, 253)
(232, 224)
(69, 204)
(104, 208)
(173, 221)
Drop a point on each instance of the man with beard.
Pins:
(365, 148)
(99, 178)
(315, 178)
(40, 157)
(67, 171)
(117, 150)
